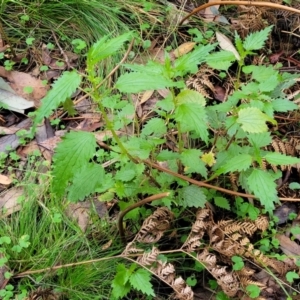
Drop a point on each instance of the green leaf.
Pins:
(85, 181)
(3, 261)
(290, 276)
(221, 60)
(276, 158)
(261, 73)
(69, 107)
(75, 150)
(192, 196)
(62, 89)
(190, 96)
(191, 280)
(190, 113)
(188, 63)
(120, 284)
(253, 290)
(125, 175)
(240, 162)
(5, 240)
(142, 82)
(283, 105)
(259, 140)
(155, 126)
(294, 186)
(192, 162)
(256, 40)
(167, 155)
(262, 185)
(105, 47)
(253, 120)
(23, 241)
(222, 202)
(140, 280)
(269, 84)
(238, 263)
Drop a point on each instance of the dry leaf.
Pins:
(8, 130)
(226, 44)
(184, 49)
(5, 180)
(9, 201)
(212, 11)
(146, 96)
(80, 213)
(107, 245)
(288, 247)
(19, 81)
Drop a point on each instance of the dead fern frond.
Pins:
(262, 223)
(148, 258)
(155, 226)
(165, 271)
(131, 249)
(246, 281)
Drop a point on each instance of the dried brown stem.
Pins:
(248, 3)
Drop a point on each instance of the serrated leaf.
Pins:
(189, 62)
(276, 158)
(222, 202)
(256, 40)
(106, 47)
(283, 105)
(192, 117)
(262, 185)
(260, 73)
(208, 158)
(191, 114)
(85, 181)
(125, 175)
(259, 140)
(192, 162)
(253, 120)
(192, 196)
(142, 82)
(155, 126)
(221, 60)
(167, 155)
(62, 89)
(120, 285)
(226, 44)
(269, 84)
(240, 162)
(140, 280)
(75, 150)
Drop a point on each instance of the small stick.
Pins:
(62, 51)
(248, 3)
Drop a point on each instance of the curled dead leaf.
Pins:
(184, 49)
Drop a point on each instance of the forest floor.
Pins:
(148, 153)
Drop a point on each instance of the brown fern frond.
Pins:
(246, 272)
(131, 249)
(191, 244)
(165, 271)
(246, 281)
(148, 258)
(262, 223)
(155, 226)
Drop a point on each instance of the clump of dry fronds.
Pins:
(214, 244)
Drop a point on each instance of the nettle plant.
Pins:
(229, 137)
